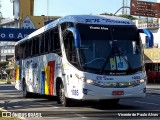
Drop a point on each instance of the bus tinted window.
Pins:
(37, 45)
(51, 40)
(19, 51)
(43, 43)
(34, 47)
(56, 40)
(66, 25)
(46, 41)
(29, 48)
(42, 46)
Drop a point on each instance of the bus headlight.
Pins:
(142, 80)
(89, 81)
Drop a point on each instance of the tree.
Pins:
(3, 66)
(110, 14)
(124, 16)
(128, 17)
(9, 72)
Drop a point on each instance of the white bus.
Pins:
(82, 57)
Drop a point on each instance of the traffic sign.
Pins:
(143, 8)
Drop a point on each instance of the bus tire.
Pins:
(61, 98)
(26, 94)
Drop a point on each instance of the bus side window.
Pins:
(70, 48)
(25, 50)
(29, 48)
(57, 48)
(33, 47)
(23, 47)
(46, 40)
(16, 52)
(19, 51)
(37, 45)
(66, 25)
(42, 45)
(51, 41)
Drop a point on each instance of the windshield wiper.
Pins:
(114, 46)
(108, 57)
(107, 60)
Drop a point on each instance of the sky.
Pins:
(67, 7)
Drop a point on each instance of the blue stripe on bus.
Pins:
(149, 37)
(42, 82)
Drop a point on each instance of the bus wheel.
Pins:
(25, 92)
(62, 99)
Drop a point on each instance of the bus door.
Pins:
(71, 56)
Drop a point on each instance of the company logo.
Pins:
(28, 24)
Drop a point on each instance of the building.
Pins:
(23, 12)
(7, 48)
(23, 18)
(152, 54)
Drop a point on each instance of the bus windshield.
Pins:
(110, 48)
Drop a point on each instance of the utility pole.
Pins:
(0, 12)
(124, 3)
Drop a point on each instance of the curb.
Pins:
(153, 93)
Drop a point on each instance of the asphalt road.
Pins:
(144, 108)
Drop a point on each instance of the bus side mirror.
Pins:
(149, 37)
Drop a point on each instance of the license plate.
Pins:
(118, 93)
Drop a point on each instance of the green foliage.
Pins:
(124, 16)
(128, 17)
(3, 64)
(8, 71)
(110, 14)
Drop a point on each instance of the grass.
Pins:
(7, 118)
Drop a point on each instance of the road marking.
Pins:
(79, 115)
(55, 107)
(147, 103)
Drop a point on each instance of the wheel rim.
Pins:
(62, 95)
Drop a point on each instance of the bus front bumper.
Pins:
(98, 93)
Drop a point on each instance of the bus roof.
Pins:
(85, 19)
(97, 19)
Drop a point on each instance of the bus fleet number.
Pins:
(75, 92)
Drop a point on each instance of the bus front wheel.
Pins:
(62, 99)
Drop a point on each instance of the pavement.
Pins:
(153, 89)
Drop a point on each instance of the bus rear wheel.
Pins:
(62, 99)
(26, 94)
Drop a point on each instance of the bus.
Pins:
(82, 57)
